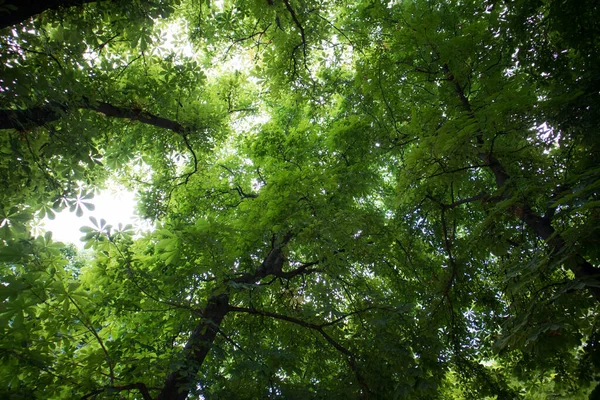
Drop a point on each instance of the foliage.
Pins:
(352, 199)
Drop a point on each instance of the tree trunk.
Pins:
(178, 383)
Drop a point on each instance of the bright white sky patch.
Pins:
(115, 204)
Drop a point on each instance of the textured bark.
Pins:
(135, 115)
(20, 10)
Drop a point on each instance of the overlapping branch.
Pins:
(302, 33)
(179, 383)
(350, 357)
(542, 227)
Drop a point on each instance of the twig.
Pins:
(90, 327)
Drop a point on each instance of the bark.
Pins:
(181, 381)
(544, 229)
(18, 11)
(23, 120)
(135, 115)
(541, 226)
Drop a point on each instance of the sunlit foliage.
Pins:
(385, 200)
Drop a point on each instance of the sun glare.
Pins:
(116, 205)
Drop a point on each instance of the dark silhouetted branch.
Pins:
(351, 358)
(38, 116)
(139, 386)
(17, 11)
(542, 227)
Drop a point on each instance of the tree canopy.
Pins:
(352, 199)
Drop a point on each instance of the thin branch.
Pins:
(130, 272)
(471, 199)
(42, 368)
(301, 270)
(252, 35)
(237, 187)
(43, 168)
(139, 386)
(236, 110)
(457, 203)
(356, 312)
(351, 358)
(386, 102)
(126, 66)
(340, 32)
(102, 45)
(90, 327)
(48, 54)
(466, 168)
(186, 177)
(448, 247)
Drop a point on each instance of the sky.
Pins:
(115, 204)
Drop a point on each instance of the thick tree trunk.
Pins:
(181, 381)
(17, 11)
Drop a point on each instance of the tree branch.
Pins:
(542, 227)
(133, 114)
(351, 358)
(139, 386)
(300, 27)
(90, 327)
(20, 10)
(23, 120)
(457, 203)
(38, 116)
(187, 175)
(182, 380)
(301, 270)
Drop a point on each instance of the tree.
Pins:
(351, 200)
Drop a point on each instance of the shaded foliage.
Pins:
(351, 199)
